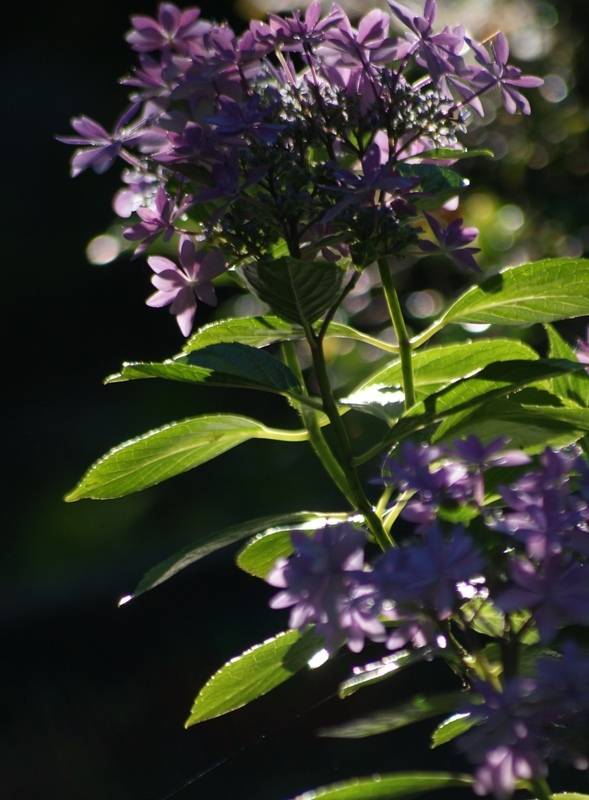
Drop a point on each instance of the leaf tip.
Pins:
(125, 599)
(116, 377)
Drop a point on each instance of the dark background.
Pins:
(93, 698)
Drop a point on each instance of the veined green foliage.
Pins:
(209, 543)
(491, 383)
(223, 364)
(262, 331)
(575, 385)
(254, 673)
(451, 728)
(415, 710)
(433, 370)
(541, 291)
(387, 787)
(170, 450)
(297, 291)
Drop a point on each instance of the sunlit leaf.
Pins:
(254, 331)
(542, 291)
(254, 673)
(433, 369)
(569, 796)
(223, 364)
(575, 385)
(527, 427)
(388, 786)
(381, 670)
(451, 728)
(263, 331)
(168, 451)
(297, 291)
(491, 383)
(438, 183)
(449, 154)
(209, 543)
(483, 617)
(417, 709)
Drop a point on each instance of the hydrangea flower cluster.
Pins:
(304, 136)
(432, 589)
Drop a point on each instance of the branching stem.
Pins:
(354, 487)
(398, 321)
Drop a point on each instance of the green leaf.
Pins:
(261, 553)
(483, 617)
(490, 383)
(224, 364)
(542, 291)
(451, 728)
(170, 450)
(575, 385)
(569, 796)
(437, 367)
(441, 182)
(262, 331)
(527, 427)
(448, 154)
(380, 670)
(388, 786)
(298, 291)
(210, 543)
(253, 331)
(253, 674)
(417, 709)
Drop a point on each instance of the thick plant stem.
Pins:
(400, 329)
(359, 500)
(310, 419)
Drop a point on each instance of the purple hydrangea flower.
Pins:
(345, 46)
(294, 33)
(322, 582)
(173, 28)
(101, 148)
(452, 242)
(140, 190)
(157, 220)
(181, 287)
(234, 121)
(478, 458)
(497, 72)
(556, 593)
(424, 576)
(432, 483)
(437, 52)
(507, 739)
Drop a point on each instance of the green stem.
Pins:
(427, 334)
(359, 500)
(540, 787)
(398, 321)
(310, 419)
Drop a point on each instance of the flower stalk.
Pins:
(396, 314)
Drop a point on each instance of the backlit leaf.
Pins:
(297, 291)
(254, 673)
(162, 453)
(388, 786)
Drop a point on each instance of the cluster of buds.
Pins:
(303, 136)
(523, 558)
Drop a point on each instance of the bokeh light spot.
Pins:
(103, 249)
(424, 304)
(554, 89)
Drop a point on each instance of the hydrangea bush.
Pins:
(290, 159)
